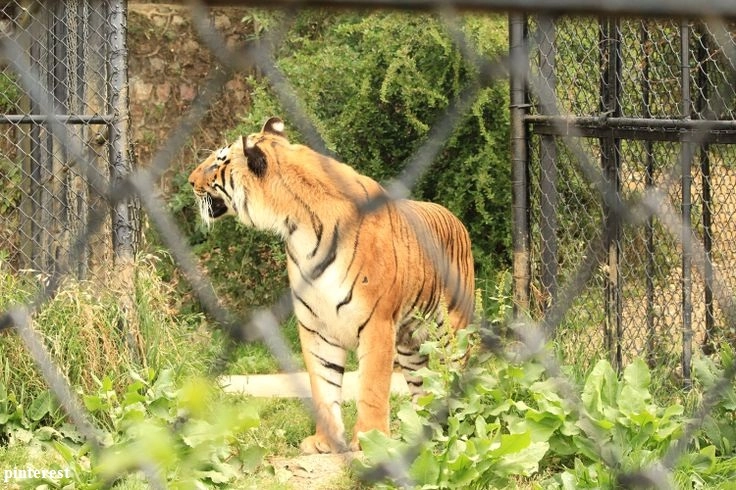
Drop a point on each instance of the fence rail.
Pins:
(623, 206)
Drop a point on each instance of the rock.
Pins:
(187, 92)
(222, 22)
(163, 92)
(178, 21)
(140, 90)
(157, 64)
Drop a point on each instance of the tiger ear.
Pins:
(254, 156)
(275, 126)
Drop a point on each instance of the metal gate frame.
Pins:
(534, 117)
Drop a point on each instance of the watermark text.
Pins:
(34, 473)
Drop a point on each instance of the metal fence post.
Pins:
(124, 222)
(548, 168)
(704, 112)
(610, 89)
(519, 56)
(686, 154)
(646, 91)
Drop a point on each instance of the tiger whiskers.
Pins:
(205, 207)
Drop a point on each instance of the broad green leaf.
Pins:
(526, 461)
(601, 388)
(412, 427)
(47, 434)
(425, 470)
(705, 371)
(512, 443)
(40, 406)
(132, 397)
(220, 472)
(637, 376)
(64, 451)
(252, 457)
(197, 431)
(106, 385)
(540, 430)
(705, 459)
(463, 471)
(93, 403)
(632, 401)
(481, 427)
(378, 447)
(195, 396)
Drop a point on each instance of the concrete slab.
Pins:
(296, 385)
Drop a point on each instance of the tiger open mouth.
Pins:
(217, 207)
(211, 206)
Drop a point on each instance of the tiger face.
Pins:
(207, 181)
(235, 180)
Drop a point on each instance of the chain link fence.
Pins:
(74, 54)
(622, 133)
(652, 102)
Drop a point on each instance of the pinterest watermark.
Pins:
(11, 474)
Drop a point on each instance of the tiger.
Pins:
(365, 272)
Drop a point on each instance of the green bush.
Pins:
(496, 424)
(10, 93)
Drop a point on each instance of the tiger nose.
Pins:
(191, 181)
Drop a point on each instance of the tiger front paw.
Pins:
(321, 444)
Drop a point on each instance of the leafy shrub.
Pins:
(495, 423)
(10, 93)
(184, 434)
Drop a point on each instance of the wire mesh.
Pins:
(647, 72)
(629, 203)
(69, 50)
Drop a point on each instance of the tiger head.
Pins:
(236, 180)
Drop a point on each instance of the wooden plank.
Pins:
(295, 385)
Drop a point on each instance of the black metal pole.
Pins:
(519, 160)
(124, 229)
(548, 167)
(686, 163)
(610, 162)
(649, 183)
(703, 113)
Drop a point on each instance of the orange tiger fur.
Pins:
(363, 270)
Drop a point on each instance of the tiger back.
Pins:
(365, 272)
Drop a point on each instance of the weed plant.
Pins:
(90, 336)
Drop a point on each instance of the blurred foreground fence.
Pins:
(622, 134)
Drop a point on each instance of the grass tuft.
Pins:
(105, 327)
